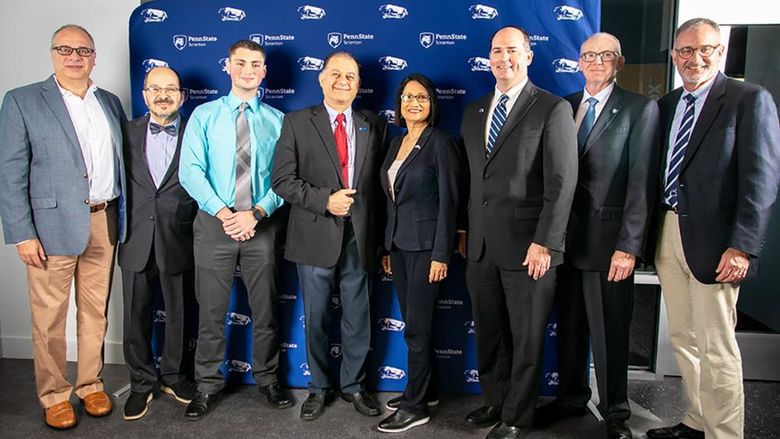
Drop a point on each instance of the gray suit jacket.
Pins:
(42, 170)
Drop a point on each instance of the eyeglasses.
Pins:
(606, 56)
(83, 52)
(704, 51)
(157, 90)
(421, 99)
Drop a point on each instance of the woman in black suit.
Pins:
(420, 179)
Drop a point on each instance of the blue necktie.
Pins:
(678, 152)
(587, 123)
(499, 117)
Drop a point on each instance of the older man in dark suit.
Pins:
(718, 181)
(158, 249)
(617, 135)
(522, 154)
(327, 167)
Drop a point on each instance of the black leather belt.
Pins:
(101, 206)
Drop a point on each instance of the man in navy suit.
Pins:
(62, 206)
(718, 182)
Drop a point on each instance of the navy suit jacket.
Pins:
(42, 171)
(423, 215)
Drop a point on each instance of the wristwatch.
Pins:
(258, 215)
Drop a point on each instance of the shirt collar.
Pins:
(333, 113)
(513, 92)
(175, 122)
(601, 96)
(92, 88)
(702, 91)
(234, 102)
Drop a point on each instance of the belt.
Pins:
(667, 208)
(100, 206)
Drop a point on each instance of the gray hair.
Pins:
(695, 23)
(74, 27)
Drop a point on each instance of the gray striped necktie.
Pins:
(243, 197)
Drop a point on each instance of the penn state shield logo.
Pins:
(180, 41)
(257, 38)
(426, 39)
(260, 93)
(335, 39)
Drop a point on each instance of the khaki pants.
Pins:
(49, 290)
(702, 318)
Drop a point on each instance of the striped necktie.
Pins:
(243, 199)
(499, 117)
(678, 152)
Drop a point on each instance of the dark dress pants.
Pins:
(216, 256)
(138, 295)
(590, 305)
(417, 299)
(318, 285)
(510, 316)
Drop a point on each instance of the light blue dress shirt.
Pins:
(207, 169)
(160, 149)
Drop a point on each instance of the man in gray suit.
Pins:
(327, 167)
(62, 205)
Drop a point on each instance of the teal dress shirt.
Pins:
(207, 169)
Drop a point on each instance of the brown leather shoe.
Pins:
(61, 416)
(97, 404)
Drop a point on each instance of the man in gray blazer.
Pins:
(327, 167)
(62, 206)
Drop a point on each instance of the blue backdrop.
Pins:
(446, 40)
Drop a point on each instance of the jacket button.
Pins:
(484, 204)
(156, 195)
(84, 175)
(151, 218)
(86, 201)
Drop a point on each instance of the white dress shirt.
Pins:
(601, 97)
(513, 93)
(350, 127)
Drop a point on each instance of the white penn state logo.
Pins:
(396, 12)
(471, 375)
(157, 362)
(154, 15)
(479, 64)
(260, 93)
(565, 12)
(388, 324)
(335, 39)
(426, 39)
(483, 12)
(552, 329)
(234, 318)
(308, 12)
(389, 115)
(223, 62)
(392, 63)
(391, 373)
(239, 366)
(469, 325)
(180, 41)
(563, 65)
(231, 14)
(302, 320)
(257, 38)
(151, 63)
(304, 367)
(310, 63)
(552, 378)
(335, 350)
(159, 316)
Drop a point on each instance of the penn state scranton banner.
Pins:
(448, 41)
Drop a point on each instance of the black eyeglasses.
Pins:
(606, 56)
(422, 99)
(83, 52)
(704, 51)
(157, 90)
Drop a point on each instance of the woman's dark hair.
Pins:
(423, 80)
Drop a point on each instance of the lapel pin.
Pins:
(416, 146)
(615, 110)
(481, 110)
(362, 128)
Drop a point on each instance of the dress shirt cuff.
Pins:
(268, 205)
(213, 205)
(22, 242)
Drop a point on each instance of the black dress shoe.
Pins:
(394, 403)
(183, 391)
(136, 405)
(484, 416)
(402, 420)
(314, 405)
(553, 412)
(504, 431)
(276, 396)
(678, 431)
(364, 403)
(617, 429)
(201, 405)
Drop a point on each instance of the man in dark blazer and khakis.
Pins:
(158, 248)
(522, 156)
(327, 167)
(617, 136)
(718, 182)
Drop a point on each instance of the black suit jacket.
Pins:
(614, 194)
(729, 176)
(306, 171)
(161, 216)
(523, 192)
(423, 215)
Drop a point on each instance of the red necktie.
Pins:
(341, 147)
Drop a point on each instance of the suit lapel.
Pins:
(610, 111)
(480, 120)
(53, 97)
(173, 168)
(362, 133)
(524, 102)
(321, 121)
(709, 111)
(421, 142)
(137, 149)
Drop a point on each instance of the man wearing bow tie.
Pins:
(617, 133)
(159, 243)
